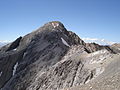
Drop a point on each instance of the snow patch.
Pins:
(55, 25)
(0, 74)
(15, 68)
(64, 42)
(15, 49)
(24, 54)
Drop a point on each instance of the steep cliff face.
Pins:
(49, 58)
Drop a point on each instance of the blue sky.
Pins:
(88, 18)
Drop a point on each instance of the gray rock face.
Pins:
(48, 58)
(7, 62)
(92, 47)
(15, 44)
(116, 47)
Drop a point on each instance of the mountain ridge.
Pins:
(49, 58)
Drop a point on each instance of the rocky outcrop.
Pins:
(49, 58)
(115, 47)
(109, 79)
(14, 44)
(92, 47)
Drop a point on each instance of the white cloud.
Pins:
(90, 39)
(99, 41)
(4, 41)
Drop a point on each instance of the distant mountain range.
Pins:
(99, 41)
(2, 43)
(53, 58)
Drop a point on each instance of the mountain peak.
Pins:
(55, 25)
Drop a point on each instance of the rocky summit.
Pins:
(53, 58)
